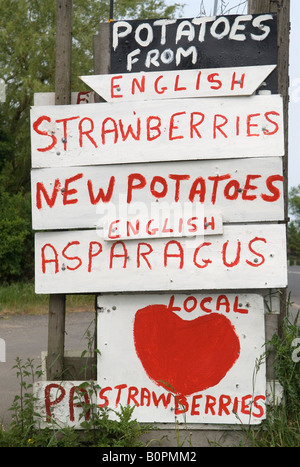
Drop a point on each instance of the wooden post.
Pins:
(282, 9)
(63, 89)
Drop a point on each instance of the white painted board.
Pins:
(193, 356)
(85, 197)
(245, 256)
(179, 84)
(169, 130)
(48, 98)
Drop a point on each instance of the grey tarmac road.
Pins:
(27, 336)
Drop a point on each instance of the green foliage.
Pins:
(293, 231)
(99, 431)
(294, 203)
(27, 65)
(16, 238)
(282, 426)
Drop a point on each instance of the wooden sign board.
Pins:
(48, 98)
(87, 197)
(218, 82)
(181, 129)
(195, 43)
(245, 256)
(189, 356)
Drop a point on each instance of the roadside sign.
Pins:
(152, 194)
(195, 43)
(189, 356)
(173, 129)
(79, 261)
(179, 84)
(48, 98)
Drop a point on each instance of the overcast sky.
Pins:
(193, 8)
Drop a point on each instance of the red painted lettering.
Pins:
(153, 130)
(49, 200)
(217, 83)
(157, 90)
(276, 126)
(92, 254)
(163, 182)
(74, 394)
(232, 184)
(72, 258)
(206, 262)
(130, 130)
(199, 182)
(193, 126)
(248, 187)
(67, 192)
(64, 121)
(216, 180)
(274, 190)
(123, 254)
(250, 125)
(237, 257)
(103, 397)
(133, 186)
(174, 127)
(114, 86)
(86, 132)
(143, 254)
(60, 394)
(218, 126)
(178, 179)
(176, 86)
(53, 260)
(179, 255)
(113, 129)
(101, 196)
(140, 85)
(256, 264)
(235, 81)
(36, 125)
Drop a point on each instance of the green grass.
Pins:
(20, 298)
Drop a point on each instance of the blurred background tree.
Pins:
(27, 65)
(293, 235)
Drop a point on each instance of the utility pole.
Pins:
(282, 9)
(216, 7)
(63, 77)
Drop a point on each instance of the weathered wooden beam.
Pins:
(63, 88)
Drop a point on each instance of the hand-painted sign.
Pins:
(198, 360)
(252, 256)
(219, 82)
(109, 196)
(195, 43)
(175, 129)
(48, 98)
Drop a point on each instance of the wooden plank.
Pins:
(63, 77)
(202, 42)
(217, 82)
(48, 98)
(71, 197)
(248, 257)
(186, 353)
(181, 129)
